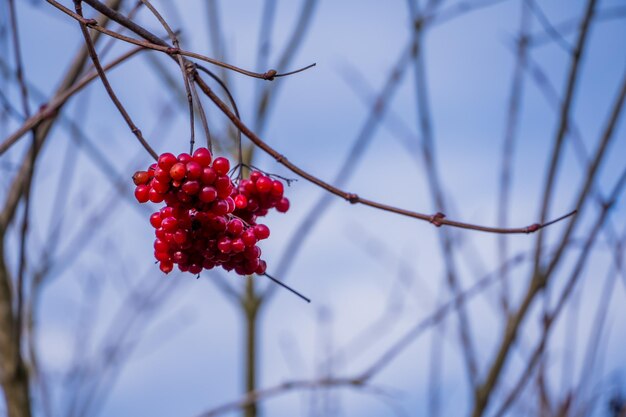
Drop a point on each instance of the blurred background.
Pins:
(495, 112)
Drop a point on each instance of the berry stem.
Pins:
(308, 300)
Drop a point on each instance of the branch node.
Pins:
(352, 198)
(90, 22)
(437, 218)
(172, 51)
(269, 75)
(532, 228)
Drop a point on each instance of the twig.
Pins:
(101, 73)
(183, 68)
(308, 300)
(153, 41)
(50, 109)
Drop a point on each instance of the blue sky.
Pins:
(189, 358)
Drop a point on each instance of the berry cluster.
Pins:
(207, 221)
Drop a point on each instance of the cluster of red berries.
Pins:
(207, 221)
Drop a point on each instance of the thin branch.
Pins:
(154, 42)
(50, 109)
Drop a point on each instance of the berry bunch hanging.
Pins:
(207, 220)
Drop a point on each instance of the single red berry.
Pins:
(194, 170)
(202, 156)
(169, 224)
(263, 185)
(160, 234)
(155, 220)
(208, 194)
(261, 231)
(231, 203)
(166, 161)
(252, 252)
(166, 212)
(162, 175)
(283, 205)
(224, 244)
(255, 175)
(141, 177)
(248, 237)
(220, 207)
(191, 187)
(180, 237)
(234, 227)
(154, 196)
(277, 189)
(162, 256)
(142, 193)
(160, 186)
(241, 201)
(184, 157)
(221, 166)
(179, 257)
(208, 176)
(261, 268)
(178, 171)
(218, 223)
(222, 182)
(166, 266)
(195, 269)
(161, 246)
(237, 245)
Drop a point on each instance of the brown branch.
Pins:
(101, 73)
(154, 42)
(438, 219)
(50, 109)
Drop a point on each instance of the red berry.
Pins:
(169, 224)
(248, 237)
(141, 177)
(221, 166)
(283, 205)
(255, 175)
(261, 231)
(264, 185)
(194, 170)
(162, 256)
(202, 156)
(155, 196)
(166, 266)
(195, 269)
(241, 201)
(166, 161)
(277, 189)
(179, 257)
(220, 207)
(191, 187)
(142, 193)
(155, 220)
(224, 245)
(178, 171)
(261, 268)
(234, 227)
(184, 157)
(208, 194)
(161, 246)
(208, 176)
(237, 245)
(160, 187)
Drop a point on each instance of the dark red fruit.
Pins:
(142, 193)
(141, 177)
(202, 156)
(178, 171)
(221, 166)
